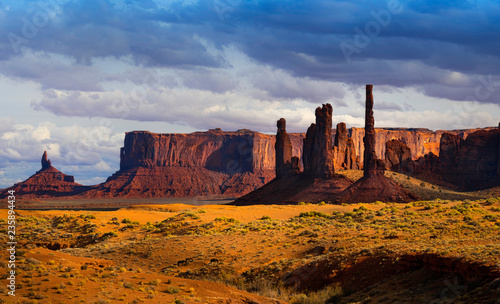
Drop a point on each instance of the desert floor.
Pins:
(434, 251)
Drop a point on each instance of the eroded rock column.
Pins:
(283, 147)
(371, 165)
(318, 148)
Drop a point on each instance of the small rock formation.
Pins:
(285, 163)
(344, 150)
(318, 149)
(398, 156)
(373, 186)
(45, 162)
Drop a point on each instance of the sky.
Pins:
(76, 75)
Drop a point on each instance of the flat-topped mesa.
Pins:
(285, 163)
(371, 165)
(45, 162)
(318, 149)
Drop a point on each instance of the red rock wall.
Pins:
(420, 141)
(248, 151)
(229, 152)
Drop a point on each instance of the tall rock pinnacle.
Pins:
(370, 161)
(283, 147)
(318, 148)
(45, 162)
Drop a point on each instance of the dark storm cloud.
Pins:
(416, 43)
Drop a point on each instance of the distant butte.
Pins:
(46, 183)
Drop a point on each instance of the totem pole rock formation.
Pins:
(373, 186)
(285, 163)
(45, 162)
(318, 149)
(371, 165)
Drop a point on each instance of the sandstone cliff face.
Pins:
(344, 150)
(397, 156)
(198, 164)
(472, 162)
(227, 152)
(420, 141)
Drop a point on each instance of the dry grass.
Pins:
(300, 254)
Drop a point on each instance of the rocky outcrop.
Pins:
(344, 150)
(45, 183)
(318, 149)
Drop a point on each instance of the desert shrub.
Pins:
(265, 217)
(35, 295)
(126, 221)
(314, 214)
(227, 220)
(490, 218)
(361, 209)
(108, 235)
(308, 233)
(330, 294)
(172, 290)
(492, 200)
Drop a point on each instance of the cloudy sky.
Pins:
(75, 75)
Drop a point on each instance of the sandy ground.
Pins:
(305, 253)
